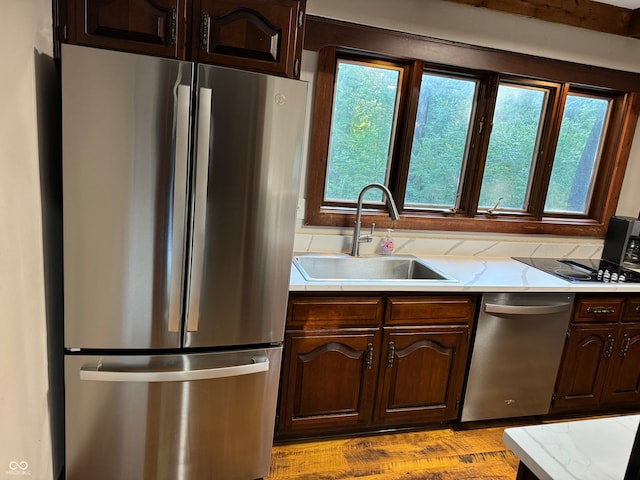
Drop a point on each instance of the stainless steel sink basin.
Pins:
(318, 267)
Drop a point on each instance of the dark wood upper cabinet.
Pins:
(153, 27)
(266, 34)
(259, 35)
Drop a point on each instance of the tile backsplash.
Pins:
(319, 240)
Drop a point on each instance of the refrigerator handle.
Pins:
(91, 373)
(200, 207)
(179, 205)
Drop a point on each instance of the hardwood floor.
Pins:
(459, 453)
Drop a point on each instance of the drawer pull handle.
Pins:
(638, 309)
(601, 310)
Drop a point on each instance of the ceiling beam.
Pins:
(634, 24)
(576, 13)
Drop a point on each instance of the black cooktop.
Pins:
(583, 270)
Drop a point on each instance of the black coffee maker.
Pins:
(622, 243)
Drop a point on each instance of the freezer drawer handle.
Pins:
(526, 309)
(89, 372)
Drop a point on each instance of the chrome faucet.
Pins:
(393, 214)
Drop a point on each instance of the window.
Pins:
(467, 148)
(577, 154)
(365, 113)
(514, 144)
(441, 137)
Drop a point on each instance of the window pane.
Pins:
(577, 154)
(440, 141)
(362, 130)
(512, 147)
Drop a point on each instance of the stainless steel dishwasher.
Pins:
(516, 354)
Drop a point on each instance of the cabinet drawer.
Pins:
(431, 310)
(334, 312)
(631, 310)
(598, 309)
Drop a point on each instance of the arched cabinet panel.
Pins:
(421, 375)
(262, 35)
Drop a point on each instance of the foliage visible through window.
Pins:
(364, 117)
(513, 147)
(457, 145)
(440, 141)
(577, 154)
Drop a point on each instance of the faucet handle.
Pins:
(368, 238)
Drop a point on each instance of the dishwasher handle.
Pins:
(526, 309)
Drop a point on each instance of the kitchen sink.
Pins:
(319, 267)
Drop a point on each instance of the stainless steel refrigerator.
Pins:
(180, 186)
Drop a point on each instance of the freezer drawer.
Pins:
(187, 417)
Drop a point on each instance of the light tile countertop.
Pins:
(472, 274)
(594, 449)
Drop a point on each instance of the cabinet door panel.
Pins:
(328, 380)
(623, 376)
(155, 27)
(421, 377)
(583, 367)
(262, 35)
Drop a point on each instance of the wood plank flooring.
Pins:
(459, 453)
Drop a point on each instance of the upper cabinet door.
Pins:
(153, 27)
(260, 35)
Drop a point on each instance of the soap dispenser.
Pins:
(387, 243)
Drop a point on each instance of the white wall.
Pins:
(483, 27)
(25, 396)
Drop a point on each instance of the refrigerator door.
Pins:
(125, 159)
(246, 181)
(171, 417)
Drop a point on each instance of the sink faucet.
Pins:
(393, 214)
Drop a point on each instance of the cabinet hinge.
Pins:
(568, 333)
(65, 33)
(553, 398)
(300, 18)
(457, 403)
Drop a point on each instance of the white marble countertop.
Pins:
(473, 274)
(595, 449)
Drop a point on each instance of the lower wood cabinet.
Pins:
(329, 382)
(600, 368)
(364, 363)
(422, 371)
